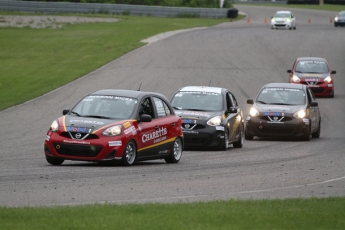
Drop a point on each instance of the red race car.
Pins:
(315, 73)
(116, 125)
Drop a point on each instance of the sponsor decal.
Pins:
(130, 130)
(220, 128)
(115, 143)
(86, 121)
(126, 124)
(194, 113)
(188, 121)
(47, 138)
(189, 131)
(154, 135)
(160, 139)
(77, 129)
(273, 114)
(163, 151)
(77, 142)
(276, 108)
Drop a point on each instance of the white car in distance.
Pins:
(283, 19)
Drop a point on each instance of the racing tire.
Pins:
(307, 135)
(318, 131)
(224, 145)
(247, 136)
(130, 154)
(176, 152)
(239, 143)
(54, 160)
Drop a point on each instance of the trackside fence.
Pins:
(119, 9)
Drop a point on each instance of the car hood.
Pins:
(197, 115)
(264, 108)
(312, 75)
(86, 123)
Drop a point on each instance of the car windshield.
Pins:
(105, 106)
(342, 13)
(311, 67)
(198, 101)
(282, 15)
(281, 96)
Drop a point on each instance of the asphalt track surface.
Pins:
(241, 56)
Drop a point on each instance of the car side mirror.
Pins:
(333, 72)
(65, 111)
(145, 118)
(314, 103)
(233, 110)
(289, 71)
(250, 101)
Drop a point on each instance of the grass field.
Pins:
(36, 61)
(292, 214)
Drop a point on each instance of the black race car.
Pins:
(210, 117)
(283, 110)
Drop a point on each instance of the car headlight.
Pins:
(54, 126)
(215, 121)
(295, 79)
(112, 131)
(253, 112)
(300, 114)
(336, 19)
(328, 79)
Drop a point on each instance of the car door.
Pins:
(232, 118)
(168, 123)
(148, 131)
(313, 110)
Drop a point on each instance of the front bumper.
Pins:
(322, 90)
(207, 137)
(296, 127)
(83, 150)
(286, 25)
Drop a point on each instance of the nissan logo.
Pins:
(78, 135)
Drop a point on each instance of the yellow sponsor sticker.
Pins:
(126, 124)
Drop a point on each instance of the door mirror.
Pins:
(145, 118)
(314, 103)
(233, 110)
(65, 111)
(250, 101)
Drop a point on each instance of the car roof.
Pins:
(284, 85)
(125, 93)
(311, 59)
(209, 89)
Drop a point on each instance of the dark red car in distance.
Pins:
(315, 73)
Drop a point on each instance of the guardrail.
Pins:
(120, 9)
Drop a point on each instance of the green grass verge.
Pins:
(36, 61)
(312, 213)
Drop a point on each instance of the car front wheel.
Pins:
(176, 152)
(130, 154)
(54, 160)
(318, 131)
(239, 143)
(224, 145)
